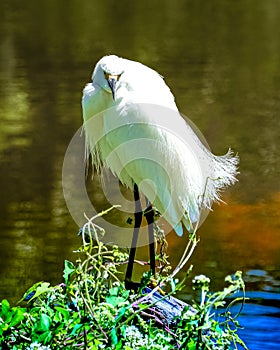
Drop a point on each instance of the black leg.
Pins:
(137, 224)
(149, 214)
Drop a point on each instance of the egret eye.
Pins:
(114, 76)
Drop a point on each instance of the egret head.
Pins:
(107, 73)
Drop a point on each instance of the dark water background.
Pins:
(222, 61)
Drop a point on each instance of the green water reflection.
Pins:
(222, 62)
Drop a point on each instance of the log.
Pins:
(165, 309)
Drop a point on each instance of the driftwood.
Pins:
(165, 310)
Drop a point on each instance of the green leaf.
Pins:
(115, 297)
(69, 268)
(114, 336)
(97, 342)
(76, 328)
(119, 346)
(120, 314)
(44, 323)
(37, 289)
(31, 290)
(64, 312)
(44, 337)
(5, 308)
(41, 330)
(191, 345)
(41, 289)
(18, 316)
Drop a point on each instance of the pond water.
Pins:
(221, 59)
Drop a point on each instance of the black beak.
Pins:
(112, 84)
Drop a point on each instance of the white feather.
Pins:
(143, 139)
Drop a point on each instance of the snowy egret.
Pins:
(133, 127)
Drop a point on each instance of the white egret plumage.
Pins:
(133, 127)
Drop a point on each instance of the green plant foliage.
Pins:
(92, 309)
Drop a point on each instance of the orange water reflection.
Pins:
(252, 228)
(235, 237)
